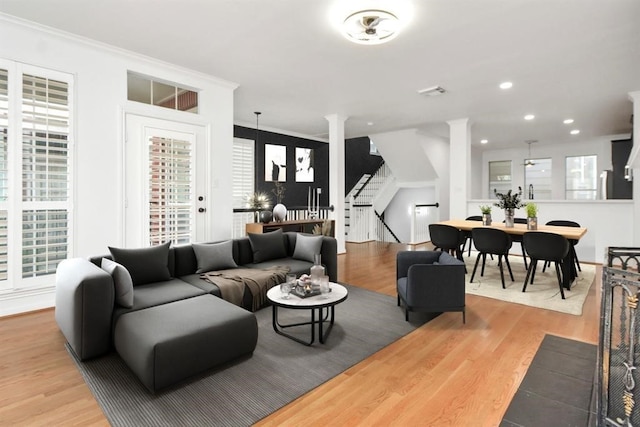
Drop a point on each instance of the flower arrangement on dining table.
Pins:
(510, 200)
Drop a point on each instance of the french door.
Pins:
(165, 191)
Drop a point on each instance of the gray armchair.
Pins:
(429, 281)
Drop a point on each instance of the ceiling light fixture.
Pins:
(432, 91)
(529, 162)
(529, 117)
(575, 132)
(371, 26)
(567, 121)
(506, 85)
(484, 141)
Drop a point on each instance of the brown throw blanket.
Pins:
(232, 283)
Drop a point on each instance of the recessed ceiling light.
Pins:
(506, 85)
(575, 132)
(529, 117)
(568, 121)
(484, 141)
(369, 123)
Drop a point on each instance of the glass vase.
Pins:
(508, 218)
(317, 270)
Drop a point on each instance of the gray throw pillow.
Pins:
(267, 246)
(307, 247)
(121, 280)
(214, 256)
(146, 265)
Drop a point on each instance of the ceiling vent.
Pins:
(432, 91)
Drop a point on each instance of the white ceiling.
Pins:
(566, 58)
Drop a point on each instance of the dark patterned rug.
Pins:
(241, 393)
(557, 389)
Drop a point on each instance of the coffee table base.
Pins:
(322, 319)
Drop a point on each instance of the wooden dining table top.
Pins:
(572, 233)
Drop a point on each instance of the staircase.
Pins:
(371, 195)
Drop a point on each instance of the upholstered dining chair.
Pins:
(565, 223)
(430, 281)
(447, 238)
(467, 234)
(545, 246)
(491, 241)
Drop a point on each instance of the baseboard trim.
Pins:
(25, 300)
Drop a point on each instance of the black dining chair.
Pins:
(545, 247)
(447, 238)
(467, 234)
(572, 242)
(517, 238)
(493, 242)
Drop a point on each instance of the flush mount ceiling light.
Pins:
(371, 26)
(529, 117)
(506, 85)
(567, 121)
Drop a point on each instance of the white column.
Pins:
(336, 175)
(459, 167)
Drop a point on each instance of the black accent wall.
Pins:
(296, 193)
(620, 150)
(358, 161)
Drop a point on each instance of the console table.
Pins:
(300, 226)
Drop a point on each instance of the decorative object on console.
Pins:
(532, 216)
(258, 201)
(324, 229)
(509, 202)
(486, 214)
(266, 216)
(313, 201)
(279, 210)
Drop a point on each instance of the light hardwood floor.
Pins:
(442, 374)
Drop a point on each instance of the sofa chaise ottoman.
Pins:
(168, 343)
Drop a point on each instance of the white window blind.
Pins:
(243, 182)
(45, 174)
(4, 171)
(170, 195)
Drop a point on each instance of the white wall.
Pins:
(398, 213)
(100, 102)
(557, 152)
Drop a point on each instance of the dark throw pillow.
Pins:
(214, 256)
(121, 281)
(146, 265)
(267, 246)
(307, 247)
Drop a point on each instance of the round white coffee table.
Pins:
(323, 306)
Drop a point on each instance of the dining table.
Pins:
(572, 234)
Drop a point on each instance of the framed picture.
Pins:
(275, 163)
(304, 164)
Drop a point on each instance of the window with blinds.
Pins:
(45, 174)
(170, 191)
(242, 181)
(4, 171)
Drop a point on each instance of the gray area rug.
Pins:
(243, 392)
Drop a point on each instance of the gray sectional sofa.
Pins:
(168, 323)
